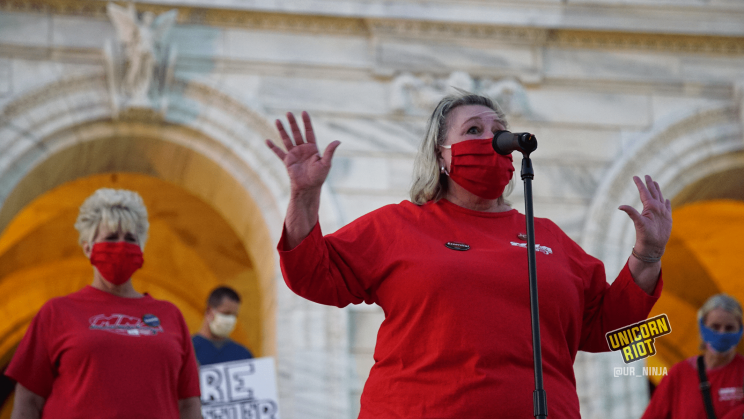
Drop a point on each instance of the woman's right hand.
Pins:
(306, 168)
(307, 171)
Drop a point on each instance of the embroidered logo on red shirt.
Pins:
(730, 393)
(121, 324)
(542, 249)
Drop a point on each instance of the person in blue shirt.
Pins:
(212, 344)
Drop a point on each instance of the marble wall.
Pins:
(611, 89)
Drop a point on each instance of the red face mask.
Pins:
(479, 169)
(116, 261)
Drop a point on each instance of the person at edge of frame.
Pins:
(679, 394)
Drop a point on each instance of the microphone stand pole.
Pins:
(539, 397)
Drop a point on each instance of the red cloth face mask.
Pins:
(116, 261)
(479, 169)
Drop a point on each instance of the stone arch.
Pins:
(206, 142)
(677, 153)
(192, 249)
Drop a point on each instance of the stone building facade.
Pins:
(611, 88)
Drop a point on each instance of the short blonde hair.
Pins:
(725, 302)
(428, 181)
(118, 209)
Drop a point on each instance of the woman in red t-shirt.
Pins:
(449, 269)
(679, 396)
(107, 351)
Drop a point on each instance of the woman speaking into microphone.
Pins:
(449, 269)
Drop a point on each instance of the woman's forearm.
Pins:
(645, 275)
(302, 215)
(27, 404)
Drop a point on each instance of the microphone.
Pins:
(504, 142)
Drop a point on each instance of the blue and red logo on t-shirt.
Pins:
(122, 324)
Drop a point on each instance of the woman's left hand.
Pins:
(654, 224)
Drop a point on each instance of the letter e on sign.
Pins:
(239, 389)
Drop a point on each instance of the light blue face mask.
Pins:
(720, 342)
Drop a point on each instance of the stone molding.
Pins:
(402, 28)
(28, 122)
(647, 42)
(439, 31)
(675, 155)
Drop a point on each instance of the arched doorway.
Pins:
(191, 250)
(206, 228)
(211, 146)
(703, 258)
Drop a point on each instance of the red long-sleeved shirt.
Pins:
(456, 339)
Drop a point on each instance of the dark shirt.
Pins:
(211, 352)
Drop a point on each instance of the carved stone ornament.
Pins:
(139, 64)
(417, 95)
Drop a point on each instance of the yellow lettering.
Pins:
(627, 354)
(650, 344)
(624, 341)
(615, 343)
(641, 348)
(644, 331)
(635, 334)
(652, 328)
(662, 324)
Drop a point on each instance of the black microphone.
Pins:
(504, 142)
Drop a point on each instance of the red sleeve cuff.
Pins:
(312, 239)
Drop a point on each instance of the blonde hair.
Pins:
(725, 302)
(117, 209)
(428, 181)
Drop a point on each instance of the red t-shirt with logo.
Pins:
(456, 339)
(92, 354)
(678, 395)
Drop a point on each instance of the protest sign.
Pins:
(243, 389)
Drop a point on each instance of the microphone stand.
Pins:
(505, 142)
(539, 397)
